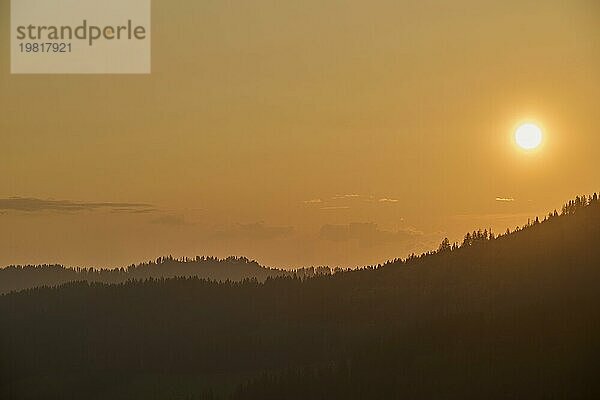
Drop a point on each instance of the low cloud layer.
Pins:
(346, 201)
(367, 234)
(30, 204)
(254, 231)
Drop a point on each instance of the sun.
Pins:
(528, 136)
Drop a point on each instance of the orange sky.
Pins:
(302, 133)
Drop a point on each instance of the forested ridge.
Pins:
(17, 277)
(497, 317)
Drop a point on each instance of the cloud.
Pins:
(30, 204)
(367, 234)
(345, 196)
(333, 203)
(505, 199)
(256, 230)
(313, 201)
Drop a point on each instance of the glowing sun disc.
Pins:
(528, 136)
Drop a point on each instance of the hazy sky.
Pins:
(303, 132)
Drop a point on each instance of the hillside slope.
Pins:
(512, 317)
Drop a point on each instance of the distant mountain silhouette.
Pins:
(15, 278)
(514, 316)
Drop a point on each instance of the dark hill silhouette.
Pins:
(514, 316)
(15, 278)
